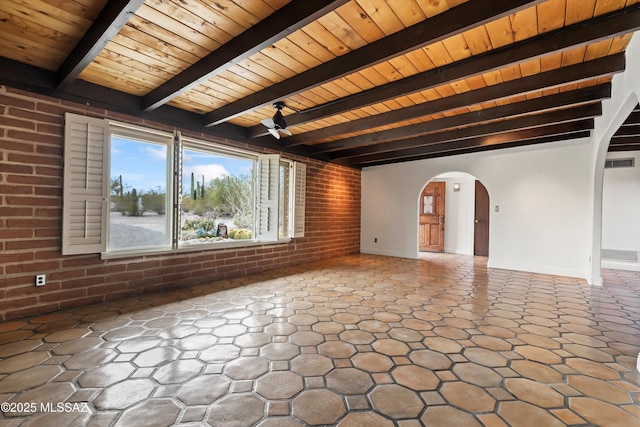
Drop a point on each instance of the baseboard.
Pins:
(540, 269)
(372, 251)
(620, 265)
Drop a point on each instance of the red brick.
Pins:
(36, 116)
(16, 168)
(64, 295)
(31, 267)
(33, 159)
(32, 228)
(17, 102)
(16, 146)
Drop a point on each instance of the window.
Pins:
(217, 193)
(139, 213)
(128, 189)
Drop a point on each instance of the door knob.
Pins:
(476, 221)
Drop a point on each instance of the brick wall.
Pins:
(31, 143)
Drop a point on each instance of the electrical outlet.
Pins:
(375, 240)
(41, 279)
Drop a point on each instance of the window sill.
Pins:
(198, 247)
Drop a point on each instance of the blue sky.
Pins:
(143, 165)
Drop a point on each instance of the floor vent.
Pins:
(617, 255)
(619, 163)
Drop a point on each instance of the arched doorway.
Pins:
(621, 197)
(481, 220)
(454, 215)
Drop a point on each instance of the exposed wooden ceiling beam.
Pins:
(276, 26)
(628, 130)
(542, 104)
(514, 124)
(625, 147)
(99, 98)
(454, 21)
(483, 141)
(477, 149)
(113, 17)
(549, 79)
(634, 118)
(614, 24)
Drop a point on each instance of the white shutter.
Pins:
(268, 197)
(299, 197)
(86, 185)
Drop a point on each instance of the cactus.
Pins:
(242, 234)
(232, 233)
(193, 192)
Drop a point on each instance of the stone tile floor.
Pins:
(355, 341)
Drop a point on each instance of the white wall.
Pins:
(543, 193)
(621, 208)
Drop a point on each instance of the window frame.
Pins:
(146, 136)
(102, 196)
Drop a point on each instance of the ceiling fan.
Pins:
(277, 125)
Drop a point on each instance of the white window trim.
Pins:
(265, 196)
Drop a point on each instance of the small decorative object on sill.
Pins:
(222, 231)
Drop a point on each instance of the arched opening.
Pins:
(454, 215)
(601, 193)
(621, 197)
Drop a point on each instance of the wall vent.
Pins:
(618, 255)
(619, 163)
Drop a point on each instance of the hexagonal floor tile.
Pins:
(515, 412)
(534, 392)
(124, 394)
(219, 353)
(147, 414)
(279, 385)
(349, 381)
(415, 377)
(318, 407)
(360, 419)
(203, 390)
(447, 416)
(391, 347)
(246, 368)
(337, 349)
(237, 410)
(178, 371)
(310, 365)
(468, 397)
(477, 374)
(280, 351)
(430, 359)
(106, 375)
(396, 401)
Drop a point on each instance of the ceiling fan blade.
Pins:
(268, 123)
(274, 132)
(285, 131)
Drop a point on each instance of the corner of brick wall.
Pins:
(31, 149)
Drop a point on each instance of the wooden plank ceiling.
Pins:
(365, 82)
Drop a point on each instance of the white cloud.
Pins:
(210, 172)
(158, 153)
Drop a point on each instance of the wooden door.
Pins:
(431, 237)
(481, 226)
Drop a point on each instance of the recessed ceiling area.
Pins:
(369, 82)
